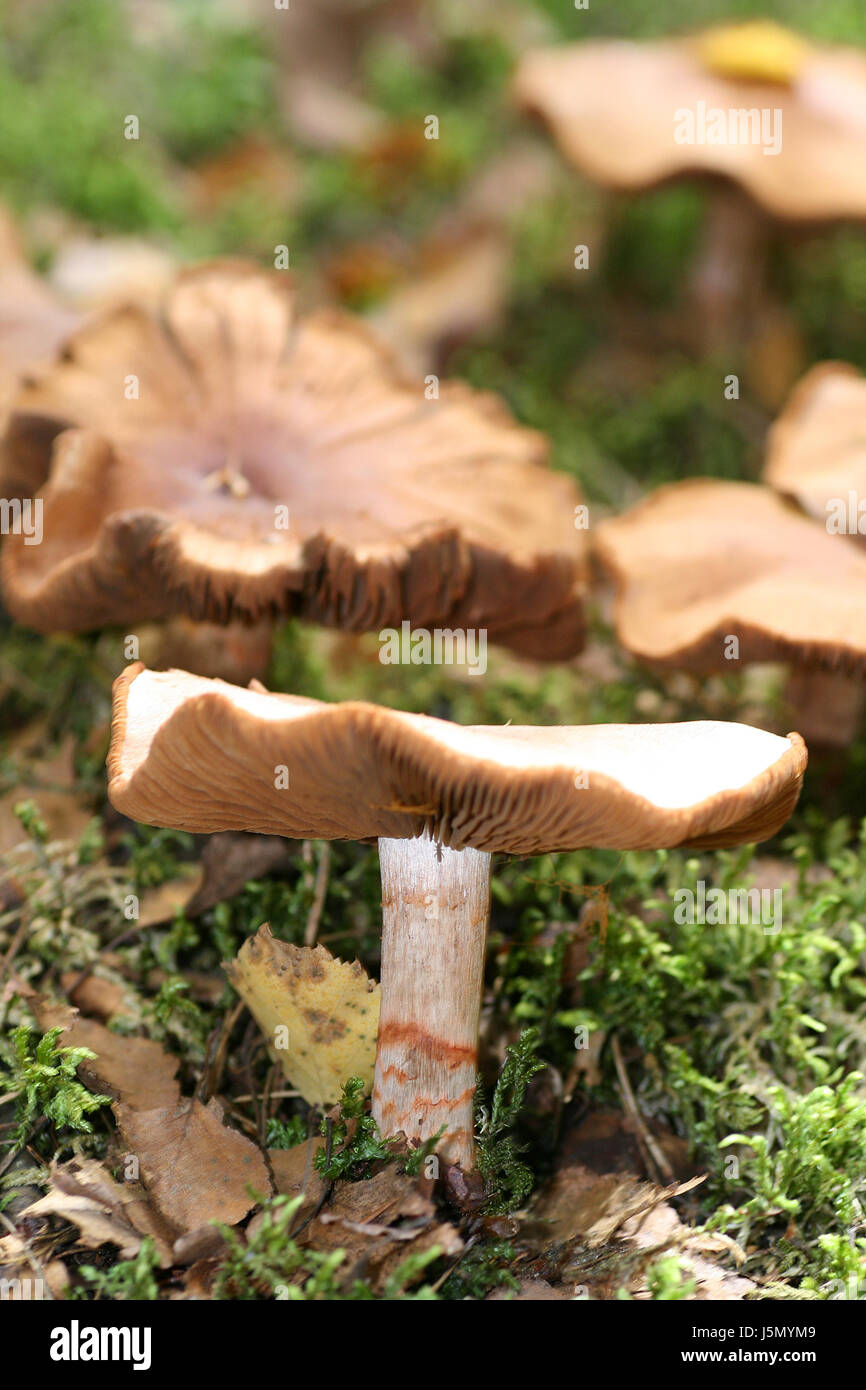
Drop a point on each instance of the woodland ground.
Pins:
(707, 1044)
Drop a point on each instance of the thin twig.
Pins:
(14, 945)
(266, 1095)
(319, 893)
(654, 1156)
(215, 1066)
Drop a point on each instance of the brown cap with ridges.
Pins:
(200, 755)
(269, 466)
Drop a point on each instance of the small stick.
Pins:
(658, 1164)
(319, 894)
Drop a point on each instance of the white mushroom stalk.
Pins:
(435, 909)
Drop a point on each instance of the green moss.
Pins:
(42, 1079)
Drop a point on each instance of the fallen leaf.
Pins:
(84, 1193)
(48, 779)
(377, 1202)
(319, 1015)
(531, 1291)
(137, 1071)
(231, 859)
(204, 1243)
(607, 1141)
(95, 995)
(194, 1168)
(580, 1215)
(228, 861)
(160, 904)
(295, 1174)
(578, 1203)
(380, 1222)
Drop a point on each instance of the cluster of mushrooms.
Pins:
(268, 465)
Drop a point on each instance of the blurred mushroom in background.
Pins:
(816, 450)
(231, 463)
(199, 755)
(95, 272)
(33, 324)
(775, 124)
(711, 575)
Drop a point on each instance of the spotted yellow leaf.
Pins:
(319, 1015)
(759, 51)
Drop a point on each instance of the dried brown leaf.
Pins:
(84, 1193)
(137, 1071)
(195, 1169)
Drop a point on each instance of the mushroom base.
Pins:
(237, 652)
(435, 908)
(727, 279)
(826, 706)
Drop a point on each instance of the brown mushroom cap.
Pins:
(816, 450)
(399, 507)
(700, 560)
(611, 106)
(197, 754)
(33, 324)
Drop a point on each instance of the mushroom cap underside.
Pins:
(699, 562)
(203, 756)
(816, 451)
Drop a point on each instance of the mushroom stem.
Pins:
(727, 276)
(234, 651)
(827, 705)
(435, 907)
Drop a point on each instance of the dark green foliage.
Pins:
(133, 1280)
(484, 1267)
(285, 1134)
(355, 1142)
(266, 1265)
(507, 1178)
(351, 1157)
(413, 1162)
(156, 855)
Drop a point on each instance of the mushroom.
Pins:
(777, 124)
(256, 466)
(816, 451)
(702, 562)
(199, 755)
(33, 324)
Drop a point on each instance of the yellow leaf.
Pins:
(320, 1015)
(759, 51)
